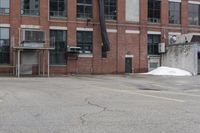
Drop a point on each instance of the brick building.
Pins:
(134, 28)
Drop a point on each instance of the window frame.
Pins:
(65, 11)
(108, 15)
(84, 44)
(8, 48)
(5, 10)
(193, 12)
(153, 46)
(154, 11)
(30, 12)
(58, 51)
(174, 11)
(84, 5)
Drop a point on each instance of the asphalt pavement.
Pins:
(100, 104)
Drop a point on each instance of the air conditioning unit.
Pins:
(73, 49)
(185, 38)
(161, 48)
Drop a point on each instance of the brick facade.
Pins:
(122, 43)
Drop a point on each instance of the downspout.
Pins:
(104, 34)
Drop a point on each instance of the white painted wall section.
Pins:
(132, 10)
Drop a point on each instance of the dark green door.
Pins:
(128, 65)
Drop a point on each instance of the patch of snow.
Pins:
(168, 71)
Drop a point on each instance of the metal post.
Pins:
(39, 61)
(18, 63)
(43, 62)
(48, 61)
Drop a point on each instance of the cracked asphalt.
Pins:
(100, 104)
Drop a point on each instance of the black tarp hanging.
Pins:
(104, 35)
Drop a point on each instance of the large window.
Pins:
(30, 7)
(4, 45)
(153, 41)
(110, 9)
(154, 10)
(84, 8)
(84, 41)
(174, 12)
(58, 40)
(194, 14)
(58, 8)
(4, 7)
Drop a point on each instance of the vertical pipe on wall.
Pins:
(104, 35)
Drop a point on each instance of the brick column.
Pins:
(143, 64)
(71, 17)
(15, 22)
(184, 16)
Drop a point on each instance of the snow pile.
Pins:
(169, 72)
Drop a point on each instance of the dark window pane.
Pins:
(4, 46)
(30, 7)
(84, 8)
(153, 41)
(4, 7)
(174, 12)
(154, 9)
(84, 41)
(58, 40)
(110, 9)
(58, 8)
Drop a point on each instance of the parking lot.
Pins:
(100, 104)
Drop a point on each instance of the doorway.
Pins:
(128, 65)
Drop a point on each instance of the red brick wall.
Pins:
(121, 43)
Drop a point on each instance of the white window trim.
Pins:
(132, 31)
(57, 28)
(85, 55)
(30, 26)
(112, 30)
(175, 1)
(194, 2)
(84, 29)
(129, 56)
(5, 25)
(154, 32)
(174, 33)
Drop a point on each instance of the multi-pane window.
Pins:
(154, 11)
(4, 45)
(174, 12)
(30, 7)
(58, 8)
(194, 14)
(84, 41)
(4, 7)
(84, 8)
(153, 41)
(58, 40)
(110, 9)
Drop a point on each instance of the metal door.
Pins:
(128, 65)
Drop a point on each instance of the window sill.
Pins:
(4, 14)
(54, 17)
(57, 65)
(85, 55)
(30, 15)
(6, 66)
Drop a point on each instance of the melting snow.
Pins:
(169, 72)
